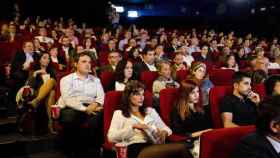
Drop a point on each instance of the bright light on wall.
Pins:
(132, 14)
(263, 9)
(119, 9)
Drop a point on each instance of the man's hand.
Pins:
(93, 108)
(26, 66)
(254, 97)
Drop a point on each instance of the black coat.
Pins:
(255, 145)
(140, 67)
(17, 73)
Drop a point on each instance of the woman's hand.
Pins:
(41, 71)
(162, 134)
(199, 133)
(61, 67)
(140, 126)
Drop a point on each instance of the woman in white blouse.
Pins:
(123, 73)
(141, 127)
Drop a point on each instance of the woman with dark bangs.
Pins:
(123, 74)
(142, 128)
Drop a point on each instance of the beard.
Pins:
(244, 94)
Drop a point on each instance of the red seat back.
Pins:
(59, 76)
(111, 103)
(260, 89)
(167, 98)
(181, 75)
(221, 77)
(273, 71)
(7, 51)
(148, 78)
(216, 95)
(106, 79)
(220, 143)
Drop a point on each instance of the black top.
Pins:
(244, 111)
(255, 145)
(196, 121)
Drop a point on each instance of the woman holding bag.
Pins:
(141, 127)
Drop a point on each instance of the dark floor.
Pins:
(15, 145)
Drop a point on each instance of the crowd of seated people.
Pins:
(48, 56)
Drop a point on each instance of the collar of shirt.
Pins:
(274, 143)
(89, 77)
(65, 48)
(29, 57)
(151, 67)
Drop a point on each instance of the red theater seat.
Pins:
(167, 98)
(106, 79)
(260, 89)
(221, 77)
(273, 71)
(220, 143)
(181, 75)
(148, 78)
(216, 94)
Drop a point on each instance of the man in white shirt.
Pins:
(81, 100)
(265, 142)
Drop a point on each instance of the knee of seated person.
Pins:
(52, 80)
(69, 116)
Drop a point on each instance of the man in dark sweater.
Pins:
(240, 108)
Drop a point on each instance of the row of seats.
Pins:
(219, 77)
(217, 143)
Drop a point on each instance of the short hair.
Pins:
(268, 111)
(270, 83)
(160, 64)
(146, 50)
(238, 76)
(77, 58)
(114, 51)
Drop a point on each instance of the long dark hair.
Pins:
(37, 64)
(119, 73)
(132, 88)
